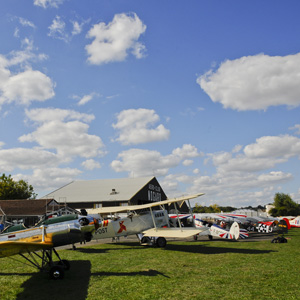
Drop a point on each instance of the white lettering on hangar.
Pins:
(154, 193)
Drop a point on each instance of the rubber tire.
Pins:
(161, 242)
(57, 272)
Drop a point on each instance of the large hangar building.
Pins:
(84, 194)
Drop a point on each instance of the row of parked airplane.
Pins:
(246, 224)
(37, 244)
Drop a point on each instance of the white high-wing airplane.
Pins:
(151, 227)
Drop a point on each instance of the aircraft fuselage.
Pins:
(130, 225)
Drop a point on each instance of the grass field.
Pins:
(183, 270)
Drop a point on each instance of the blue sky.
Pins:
(204, 95)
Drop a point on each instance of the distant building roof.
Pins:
(31, 207)
(101, 190)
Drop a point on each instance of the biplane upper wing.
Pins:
(107, 210)
(174, 232)
(9, 248)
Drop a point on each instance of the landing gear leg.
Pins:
(56, 270)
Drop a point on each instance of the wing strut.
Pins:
(56, 270)
(179, 223)
(153, 219)
(191, 212)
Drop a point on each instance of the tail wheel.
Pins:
(161, 242)
(57, 272)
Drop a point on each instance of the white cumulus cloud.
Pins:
(134, 127)
(91, 164)
(69, 138)
(284, 146)
(113, 41)
(49, 178)
(24, 158)
(24, 85)
(254, 82)
(139, 162)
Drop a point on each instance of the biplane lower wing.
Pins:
(173, 232)
(10, 248)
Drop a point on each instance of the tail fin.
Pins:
(233, 233)
(235, 230)
(287, 223)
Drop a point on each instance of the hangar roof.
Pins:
(100, 190)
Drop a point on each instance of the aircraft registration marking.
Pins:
(101, 230)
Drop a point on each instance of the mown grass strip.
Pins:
(183, 270)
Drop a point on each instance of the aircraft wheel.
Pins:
(65, 264)
(161, 242)
(210, 237)
(195, 237)
(57, 272)
(145, 240)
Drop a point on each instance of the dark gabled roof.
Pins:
(31, 207)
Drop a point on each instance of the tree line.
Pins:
(283, 206)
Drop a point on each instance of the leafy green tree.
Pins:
(226, 209)
(214, 208)
(10, 189)
(284, 206)
(198, 208)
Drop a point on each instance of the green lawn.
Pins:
(183, 270)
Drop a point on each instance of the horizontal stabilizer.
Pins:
(173, 232)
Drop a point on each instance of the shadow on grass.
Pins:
(201, 248)
(140, 273)
(74, 285)
(131, 245)
(14, 274)
(198, 247)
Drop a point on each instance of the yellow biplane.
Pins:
(37, 244)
